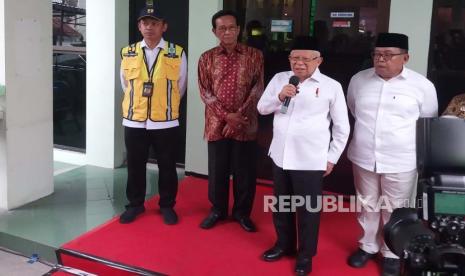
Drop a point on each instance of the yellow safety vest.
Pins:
(163, 105)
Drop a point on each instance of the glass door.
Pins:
(69, 75)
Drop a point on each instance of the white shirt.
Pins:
(301, 137)
(151, 55)
(385, 115)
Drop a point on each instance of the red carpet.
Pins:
(186, 249)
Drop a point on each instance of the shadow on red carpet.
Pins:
(226, 249)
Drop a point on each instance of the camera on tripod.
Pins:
(430, 240)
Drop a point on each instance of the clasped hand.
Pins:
(234, 123)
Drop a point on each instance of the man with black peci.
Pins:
(304, 149)
(386, 102)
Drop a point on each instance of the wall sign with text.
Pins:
(342, 14)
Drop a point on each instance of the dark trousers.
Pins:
(301, 183)
(226, 157)
(164, 142)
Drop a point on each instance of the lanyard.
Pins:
(151, 71)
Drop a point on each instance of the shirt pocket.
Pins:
(403, 106)
(172, 66)
(131, 68)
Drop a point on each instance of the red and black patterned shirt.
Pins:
(230, 83)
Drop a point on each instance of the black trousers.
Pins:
(307, 184)
(226, 157)
(164, 142)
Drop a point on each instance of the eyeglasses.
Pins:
(223, 29)
(386, 56)
(304, 59)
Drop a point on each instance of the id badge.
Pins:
(148, 89)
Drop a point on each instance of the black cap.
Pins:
(305, 43)
(151, 12)
(392, 40)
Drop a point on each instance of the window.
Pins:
(69, 74)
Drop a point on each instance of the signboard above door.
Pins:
(342, 14)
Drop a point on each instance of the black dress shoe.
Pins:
(303, 266)
(275, 253)
(247, 224)
(359, 258)
(130, 214)
(169, 216)
(391, 267)
(211, 220)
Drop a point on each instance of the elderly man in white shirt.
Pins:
(386, 102)
(302, 149)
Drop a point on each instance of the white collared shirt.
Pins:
(151, 55)
(301, 137)
(385, 115)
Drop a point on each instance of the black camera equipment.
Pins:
(430, 240)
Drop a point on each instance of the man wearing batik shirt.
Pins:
(230, 83)
(456, 107)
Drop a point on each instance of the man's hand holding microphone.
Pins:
(289, 91)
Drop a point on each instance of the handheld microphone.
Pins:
(294, 80)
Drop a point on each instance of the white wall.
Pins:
(2, 43)
(200, 39)
(413, 18)
(27, 142)
(121, 40)
(107, 32)
(3, 175)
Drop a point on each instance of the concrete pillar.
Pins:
(26, 118)
(200, 39)
(107, 32)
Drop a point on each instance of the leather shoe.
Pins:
(169, 216)
(211, 220)
(275, 253)
(303, 266)
(391, 267)
(247, 224)
(130, 214)
(359, 258)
